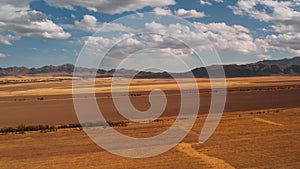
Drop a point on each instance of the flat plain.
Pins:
(259, 129)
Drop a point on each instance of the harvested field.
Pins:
(239, 142)
(51, 102)
(259, 129)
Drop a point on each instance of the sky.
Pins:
(35, 33)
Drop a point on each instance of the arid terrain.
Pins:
(259, 129)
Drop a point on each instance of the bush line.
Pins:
(44, 128)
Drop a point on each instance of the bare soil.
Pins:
(50, 102)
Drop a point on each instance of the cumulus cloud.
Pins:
(2, 55)
(149, 48)
(17, 17)
(189, 13)
(227, 38)
(90, 23)
(234, 38)
(265, 57)
(6, 39)
(277, 11)
(110, 6)
(183, 13)
(284, 18)
(108, 27)
(205, 2)
(286, 41)
(208, 2)
(162, 11)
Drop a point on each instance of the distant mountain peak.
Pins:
(287, 66)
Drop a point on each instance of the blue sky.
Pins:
(35, 33)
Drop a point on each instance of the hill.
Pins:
(261, 68)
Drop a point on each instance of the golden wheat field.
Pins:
(259, 129)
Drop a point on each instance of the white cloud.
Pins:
(265, 57)
(151, 48)
(90, 23)
(241, 28)
(180, 13)
(2, 55)
(205, 2)
(287, 41)
(184, 52)
(234, 38)
(162, 11)
(208, 2)
(228, 38)
(153, 26)
(110, 6)
(6, 39)
(108, 27)
(189, 13)
(284, 18)
(17, 17)
(280, 10)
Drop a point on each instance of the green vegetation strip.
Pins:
(23, 128)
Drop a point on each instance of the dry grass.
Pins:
(51, 102)
(260, 128)
(238, 142)
(54, 86)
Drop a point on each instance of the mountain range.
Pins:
(262, 68)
